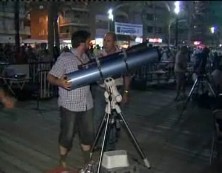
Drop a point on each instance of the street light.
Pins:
(212, 30)
(111, 13)
(110, 17)
(176, 11)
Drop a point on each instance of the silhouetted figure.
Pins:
(180, 68)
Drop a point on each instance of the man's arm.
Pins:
(56, 74)
(53, 80)
(60, 82)
(126, 83)
(126, 87)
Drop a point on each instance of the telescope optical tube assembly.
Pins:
(115, 64)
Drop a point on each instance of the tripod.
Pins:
(112, 98)
(200, 80)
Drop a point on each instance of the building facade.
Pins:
(7, 24)
(73, 18)
(39, 23)
(156, 17)
(153, 16)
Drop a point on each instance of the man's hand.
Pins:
(125, 99)
(63, 82)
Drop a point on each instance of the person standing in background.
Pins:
(122, 83)
(180, 68)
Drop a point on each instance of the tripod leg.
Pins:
(196, 83)
(211, 89)
(146, 162)
(103, 143)
(98, 134)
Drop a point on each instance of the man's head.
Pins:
(184, 49)
(109, 42)
(206, 50)
(81, 39)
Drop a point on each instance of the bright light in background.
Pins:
(93, 42)
(139, 40)
(155, 40)
(177, 7)
(41, 7)
(212, 29)
(67, 41)
(196, 43)
(110, 14)
(99, 41)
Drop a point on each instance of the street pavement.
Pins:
(28, 136)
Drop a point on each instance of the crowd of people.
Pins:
(191, 62)
(27, 53)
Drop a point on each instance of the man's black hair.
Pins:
(79, 37)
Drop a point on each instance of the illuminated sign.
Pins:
(129, 29)
(155, 40)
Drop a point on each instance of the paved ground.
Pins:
(28, 137)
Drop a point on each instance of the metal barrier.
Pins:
(153, 71)
(45, 88)
(38, 74)
(36, 67)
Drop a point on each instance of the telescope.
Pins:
(114, 65)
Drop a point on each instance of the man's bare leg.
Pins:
(86, 153)
(63, 155)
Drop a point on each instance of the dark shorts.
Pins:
(72, 122)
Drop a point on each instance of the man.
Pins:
(75, 105)
(217, 78)
(180, 69)
(201, 61)
(110, 47)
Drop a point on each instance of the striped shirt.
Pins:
(79, 99)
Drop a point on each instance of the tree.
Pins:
(53, 29)
(50, 28)
(200, 20)
(189, 21)
(16, 20)
(215, 19)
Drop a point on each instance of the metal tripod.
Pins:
(201, 79)
(113, 97)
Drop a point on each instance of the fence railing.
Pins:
(155, 71)
(38, 74)
(36, 67)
